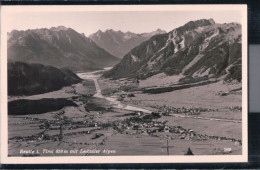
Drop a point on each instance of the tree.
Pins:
(189, 152)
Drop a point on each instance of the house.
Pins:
(182, 137)
(166, 129)
(191, 131)
(135, 127)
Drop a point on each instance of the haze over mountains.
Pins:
(197, 50)
(58, 47)
(119, 43)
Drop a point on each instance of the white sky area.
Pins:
(134, 21)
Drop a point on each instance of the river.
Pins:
(112, 99)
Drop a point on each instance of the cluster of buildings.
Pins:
(235, 108)
(167, 110)
(137, 125)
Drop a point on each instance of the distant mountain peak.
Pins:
(99, 31)
(159, 30)
(110, 30)
(195, 24)
(59, 28)
(119, 43)
(211, 20)
(129, 32)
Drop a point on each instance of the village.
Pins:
(135, 123)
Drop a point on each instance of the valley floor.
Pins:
(207, 119)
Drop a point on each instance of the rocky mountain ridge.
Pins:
(198, 50)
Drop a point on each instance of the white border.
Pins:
(6, 10)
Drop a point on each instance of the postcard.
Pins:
(124, 84)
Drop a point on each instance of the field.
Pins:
(206, 118)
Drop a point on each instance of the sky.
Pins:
(89, 22)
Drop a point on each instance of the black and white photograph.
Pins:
(136, 83)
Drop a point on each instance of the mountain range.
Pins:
(119, 43)
(199, 50)
(58, 47)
